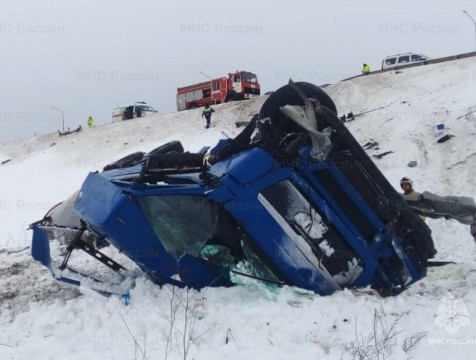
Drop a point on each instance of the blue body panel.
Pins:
(110, 208)
(113, 213)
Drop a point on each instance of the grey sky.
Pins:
(86, 57)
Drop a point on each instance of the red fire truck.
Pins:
(237, 86)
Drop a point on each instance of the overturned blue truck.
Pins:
(292, 200)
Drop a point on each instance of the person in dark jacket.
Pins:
(207, 112)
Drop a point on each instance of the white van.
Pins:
(402, 59)
(139, 109)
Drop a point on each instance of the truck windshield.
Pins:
(190, 224)
(182, 223)
(249, 77)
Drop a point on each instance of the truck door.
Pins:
(215, 86)
(237, 83)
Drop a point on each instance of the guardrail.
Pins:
(421, 63)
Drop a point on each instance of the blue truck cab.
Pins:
(292, 200)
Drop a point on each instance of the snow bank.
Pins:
(43, 319)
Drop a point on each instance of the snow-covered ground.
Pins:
(44, 319)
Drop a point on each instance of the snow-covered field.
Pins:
(44, 319)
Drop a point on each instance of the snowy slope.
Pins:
(43, 319)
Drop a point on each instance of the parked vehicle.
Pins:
(240, 85)
(292, 200)
(402, 59)
(139, 109)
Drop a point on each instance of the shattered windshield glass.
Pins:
(182, 223)
(197, 226)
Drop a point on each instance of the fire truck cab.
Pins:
(240, 85)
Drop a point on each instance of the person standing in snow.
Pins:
(365, 69)
(207, 112)
(90, 122)
(408, 192)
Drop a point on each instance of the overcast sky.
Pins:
(87, 57)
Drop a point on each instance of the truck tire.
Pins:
(286, 95)
(126, 161)
(171, 146)
(139, 156)
(231, 97)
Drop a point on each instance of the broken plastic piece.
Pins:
(444, 138)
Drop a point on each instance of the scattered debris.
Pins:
(241, 123)
(370, 145)
(63, 133)
(412, 163)
(466, 115)
(369, 111)
(461, 162)
(444, 138)
(6, 161)
(379, 156)
(439, 130)
(439, 263)
(350, 117)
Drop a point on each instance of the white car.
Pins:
(394, 61)
(139, 109)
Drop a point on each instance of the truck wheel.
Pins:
(172, 146)
(286, 95)
(231, 97)
(126, 161)
(193, 106)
